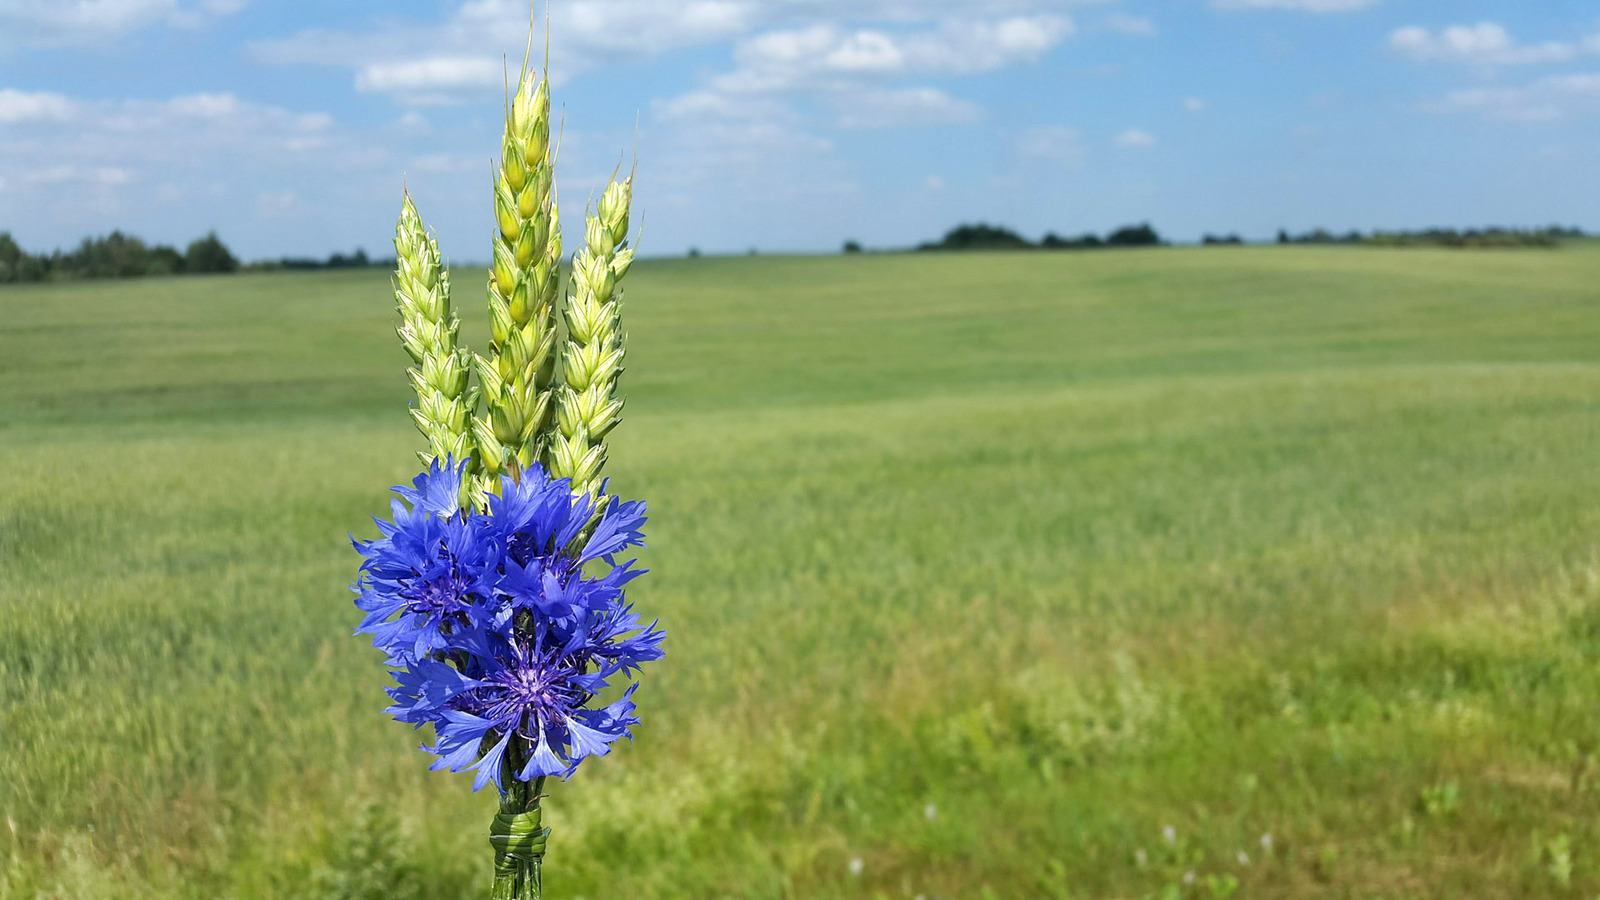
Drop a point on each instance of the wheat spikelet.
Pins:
(428, 331)
(517, 376)
(588, 406)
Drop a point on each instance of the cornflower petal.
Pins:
(543, 761)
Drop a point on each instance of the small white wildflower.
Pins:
(1141, 857)
(1266, 842)
(1188, 877)
(856, 866)
(930, 812)
(1170, 835)
(1244, 858)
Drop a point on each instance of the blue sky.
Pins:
(291, 126)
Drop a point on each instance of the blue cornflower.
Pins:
(432, 570)
(499, 638)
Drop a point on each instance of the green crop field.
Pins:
(1268, 572)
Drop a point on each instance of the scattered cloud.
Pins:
(385, 57)
(1134, 139)
(905, 107)
(777, 38)
(1134, 26)
(69, 174)
(57, 22)
(934, 183)
(22, 106)
(414, 122)
(1545, 100)
(54, 156)
(1051, 143)
(801, 57)
(417, 80)
(277, 204)
(1486, 43)
(1311, 6)
(1194, 104)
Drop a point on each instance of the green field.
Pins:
(980, 572)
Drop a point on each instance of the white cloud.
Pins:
(592, 33)
(54, 22)
(205, 106)
(65, 174)
(277, 204)
(1545, 100)
(1134, 26)
(794, 36)
(801, 57)
(934, 183)
(23, 106)
(1486, 43)
(1051, 143)
(720, 106)
(414, 122)
(905, 107)
(1312, 6)
(413, 79)
(167, 153)
(1134, 139)
(859, 74)
(1194, 104)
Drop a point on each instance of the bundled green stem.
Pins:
(518, 838)
(528, 416)
(517, 376)
(588, 404)
(428, 329)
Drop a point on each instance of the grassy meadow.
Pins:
(1254, 572)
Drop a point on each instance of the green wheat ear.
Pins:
(517, 376)
(589, 406)
(428, 331)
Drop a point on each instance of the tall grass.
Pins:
(979, 572)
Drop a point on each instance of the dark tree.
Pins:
(980, 237)
(1085, 241)
(852, 247)
(11, 257)
(164, 260)
(209, 254)
(1134, 236)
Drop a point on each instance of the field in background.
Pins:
(1045, 575)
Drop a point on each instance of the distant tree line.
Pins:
(116, 255)
(982, 236)
(356, 260)
(119, 255)
(1441, 237)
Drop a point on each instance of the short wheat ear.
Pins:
(428, 330)
(589, 405)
